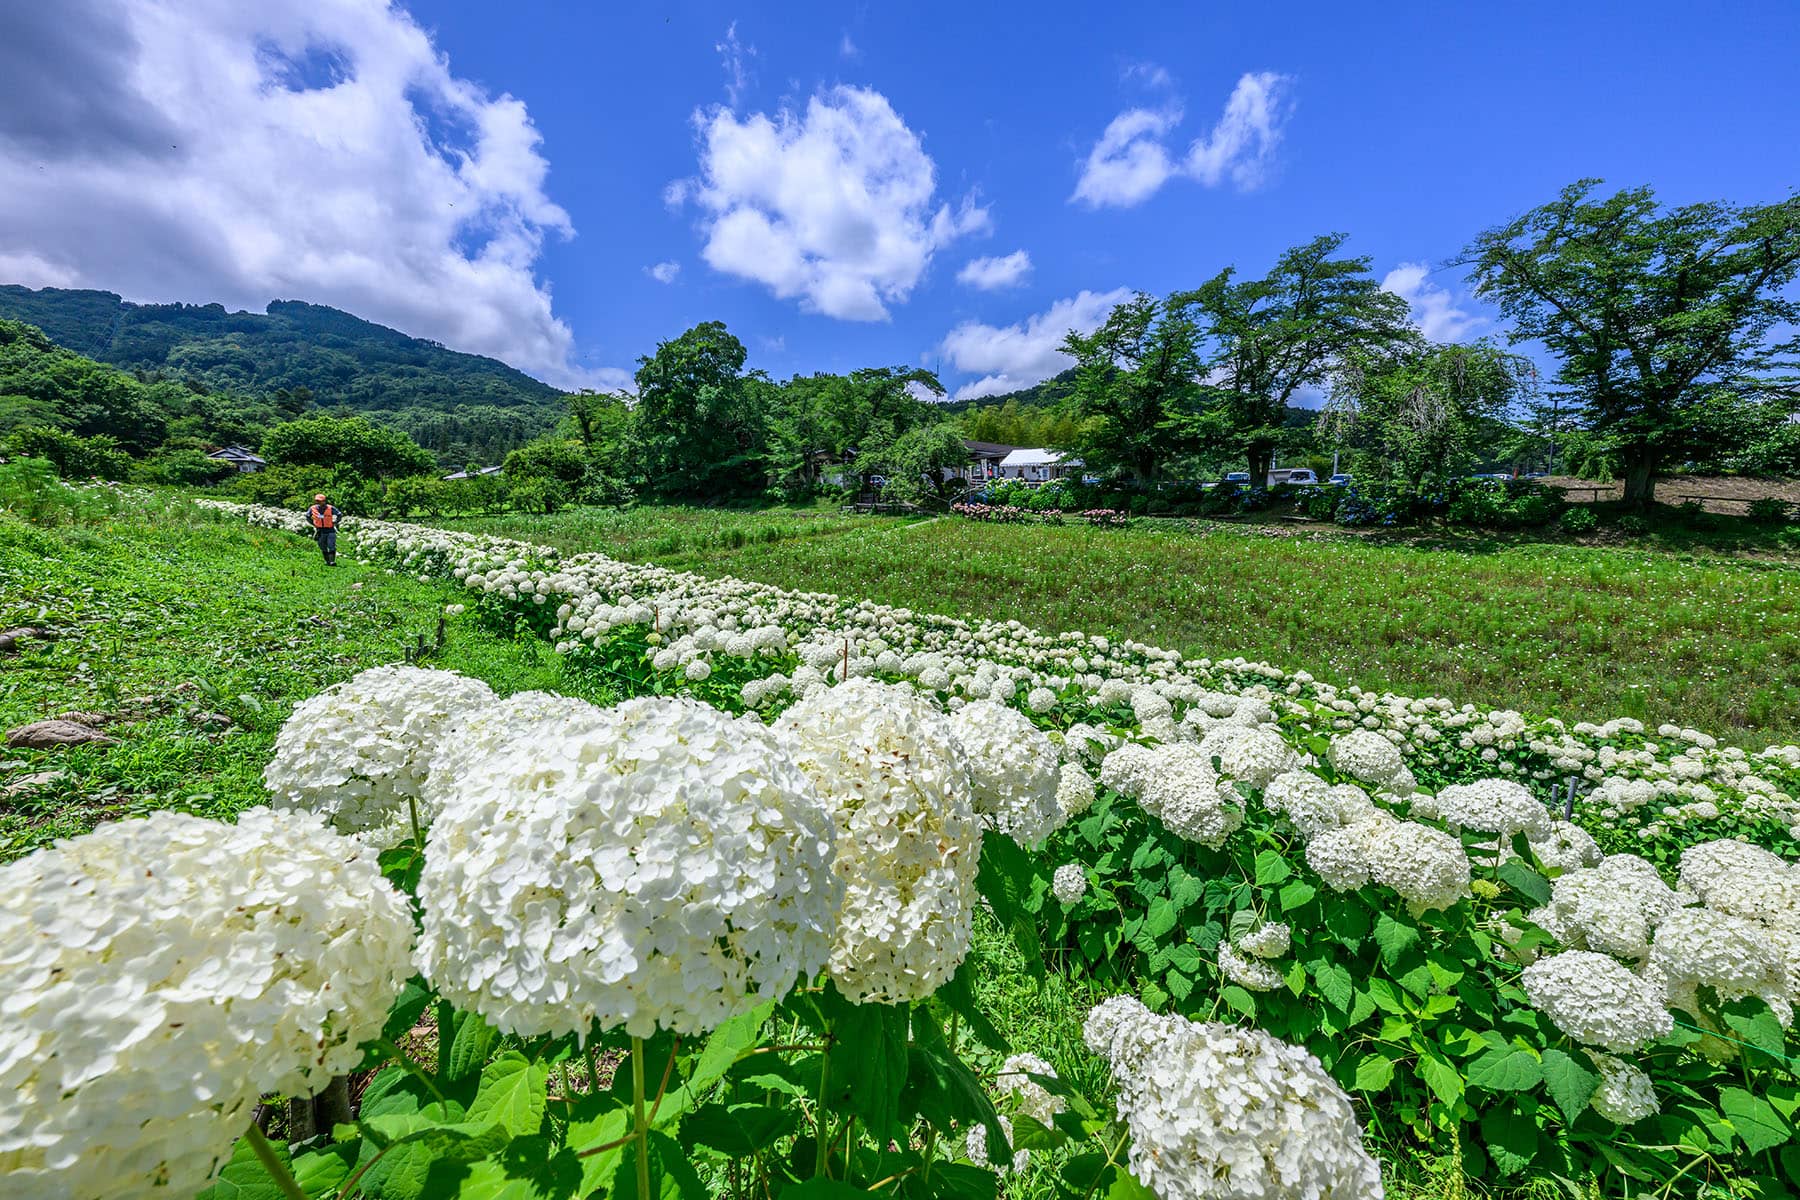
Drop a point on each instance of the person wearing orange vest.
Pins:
(324, 520)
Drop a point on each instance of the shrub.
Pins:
(74, 457)
(1578, 520)
(1769, 510)
(1634, 525)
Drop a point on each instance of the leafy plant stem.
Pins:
(823, 1164)
(640, 1126)
(265, 1153)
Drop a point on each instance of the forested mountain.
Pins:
(459, 405)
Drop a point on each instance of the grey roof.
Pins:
(235, 454)
(466, 475)
(988, 449)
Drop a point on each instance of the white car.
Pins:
(1302, 476)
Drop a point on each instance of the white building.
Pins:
(1037, 466)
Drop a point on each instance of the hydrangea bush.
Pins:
(1380, 896)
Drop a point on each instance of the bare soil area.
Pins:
(1716, 493)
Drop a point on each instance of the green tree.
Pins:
(1136, 378)
(914, 462)
(701, 423)
(1423, 411)
(1270, 337)
(354, 444)
(1652, 311)
(816, 418)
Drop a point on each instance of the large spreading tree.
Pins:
(1654, 312)
(1136, 377)
(1268, 338)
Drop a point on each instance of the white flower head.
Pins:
(361, 750)
(1625, 1095)
(163, 974)
(1013, 770)
(1069, 883)
(1220, 1112)
(1596, 1001)
(909, 845)
(666, 867)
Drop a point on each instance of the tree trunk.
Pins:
(1640, 478)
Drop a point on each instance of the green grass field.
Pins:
(1580, 632)
(198, 636)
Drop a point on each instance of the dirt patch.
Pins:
(1729, 494)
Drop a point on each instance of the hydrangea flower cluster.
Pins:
(908, 843)
(1368, 756)
(1028, 1095)
(361, 750)
(664, 867)
(1014, 770)
(1069, 883)
(1611, 907)
(1596, 1001)
(1220, 1112)
(1625, 1095)
(1427, 867)
(163, 974)
(1498, 806)
(1175, 784)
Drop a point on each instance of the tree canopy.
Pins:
(1654, 314)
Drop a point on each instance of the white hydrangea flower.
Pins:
(361, 750)
(1596, 1001)
(1069, 883)
(1427, 867)
(1013, 770)
(1568, 847)
(494, 728)
(1040, 700)
(1032, 1099)
(1270, 939)
(163, 974)
(1074, 790)
(666, 867)
(1221, 1113)
(1177, 785)
(975, 1145)
(1497, 806)
(1697, 947)
(1254, 754)
(1746, 881)
(1315, 806)
(1371, 758)
(1625, 1095)
(909, 845)
(1251, 973)
(1610, 908)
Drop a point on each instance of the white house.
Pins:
(240, 459)
(984, 461)
(1037, 466)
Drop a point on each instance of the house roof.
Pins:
(1031, 458)
(235, 454)
(988, 449)
(466, 475)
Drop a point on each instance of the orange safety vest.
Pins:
(322, 518)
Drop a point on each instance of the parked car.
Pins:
(1341, 480)
(1303, 477)
(1237, 477)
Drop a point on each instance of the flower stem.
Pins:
(284, 1179)
(641, 1126)
(823, 1167)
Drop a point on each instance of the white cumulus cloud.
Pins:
(210, 150)
(663, 272)
(1132, 159)
(992, 274)
(1015, 356)
(833, 205)
(1434, 309)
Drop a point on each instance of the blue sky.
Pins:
(821, 177)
